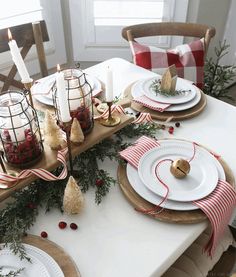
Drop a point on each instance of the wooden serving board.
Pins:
(65, 262)
(163, 116)
(166, 215)
(49, 160)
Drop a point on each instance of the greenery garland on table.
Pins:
(19, 215)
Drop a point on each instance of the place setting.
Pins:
(166, 96)
(177, 181)
(42, 89)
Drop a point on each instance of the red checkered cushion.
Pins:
(188, 59)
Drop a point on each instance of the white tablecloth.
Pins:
(112, 238)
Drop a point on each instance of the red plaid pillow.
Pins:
(188, 59)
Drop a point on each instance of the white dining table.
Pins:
(112, 238)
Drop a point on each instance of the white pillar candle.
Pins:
(15, 122)
(62, 96)
(109, 85)
(74, 94)
(18, 60)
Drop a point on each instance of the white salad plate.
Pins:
(137, 91)
(201, 180)
(145, 193)
(42, 89)
(188, 92)
(41, 265)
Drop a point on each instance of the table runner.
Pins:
(218, 206)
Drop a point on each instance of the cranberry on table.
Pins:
(171, 130)
(73, 226)
(44, 234)
(62, 224)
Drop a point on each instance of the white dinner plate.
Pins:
(200, 182)
(187, 94)
(42, 265)
(42, 89)
(137, 91)
(145, 193)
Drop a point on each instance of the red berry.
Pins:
(177, 124)
(29, 138)
(62, 225)
(73, 226)
(99, 182)
(96, 104)
(31, 206)
(44, 234)
(171, 130)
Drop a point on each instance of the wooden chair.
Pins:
(25, 35)
(130, 33)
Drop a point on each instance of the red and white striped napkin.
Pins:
(151, 104)
(218, 206)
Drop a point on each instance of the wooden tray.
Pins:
(181, 115)
(166, 215)
(65, 262)
(49, 160)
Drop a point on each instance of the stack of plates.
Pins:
(186, 100)
(41, 265)
(42, 89)
(200, 182)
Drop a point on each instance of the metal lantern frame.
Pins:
(77, 84)
(26, 151)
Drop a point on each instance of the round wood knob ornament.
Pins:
(180, 168)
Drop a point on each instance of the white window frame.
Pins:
(85, 49)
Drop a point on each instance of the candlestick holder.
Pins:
(66, 126)
(111, 120)
(27, 91)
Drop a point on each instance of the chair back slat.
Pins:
(21, 34)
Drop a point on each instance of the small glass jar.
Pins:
(79, 98)
(19, 130)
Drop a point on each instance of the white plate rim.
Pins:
(152, 182)
(136, 91)
(178, 99)
(45, 99)
(52, 267)
(41, 268)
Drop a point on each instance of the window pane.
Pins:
(16, 7)
(117, 13)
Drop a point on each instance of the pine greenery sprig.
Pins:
(216, 76)
(156, 87)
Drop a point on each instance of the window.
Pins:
(15, 12)
(101, 22)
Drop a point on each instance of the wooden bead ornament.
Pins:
(180, 168)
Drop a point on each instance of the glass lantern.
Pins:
(19, 130)
(79, 98)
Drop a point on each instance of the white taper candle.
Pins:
(62, 96)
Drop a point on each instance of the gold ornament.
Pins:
(73, 200)
(180, 168)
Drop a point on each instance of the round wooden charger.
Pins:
(65, 262)
(163, 116)
(166, 215)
